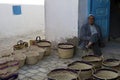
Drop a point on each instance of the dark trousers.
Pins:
(95, 46)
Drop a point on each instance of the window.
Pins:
(16, 10)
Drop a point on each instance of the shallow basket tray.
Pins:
(106, 74)
(63, 74)
(111, 63)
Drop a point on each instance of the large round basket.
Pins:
(45, 45)
(32, 57)
(63, 74)
(20, 58)
(106, 74)
(65, 50)
(112, 63)
(94, 60)
(84, 69)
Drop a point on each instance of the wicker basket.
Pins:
(106, 74)
(9, 76)
(65, 50)
(33, 42)
(3, 66)
(39, 50)
(45, 45)
(94, 60)
(20, 45)
(20, 58)
(112, 63)
(32, 57)
(6, 53)
(84, 69)
(13, 66)
(22, 51)
(63, 74)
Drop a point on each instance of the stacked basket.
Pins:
(8, 67)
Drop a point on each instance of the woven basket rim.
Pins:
(44, 41)
(91, 56)
(62, 69)
(106, 70)
(65, 44)
(110, 60)
(81, 62)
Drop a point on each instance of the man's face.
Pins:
(91, 20)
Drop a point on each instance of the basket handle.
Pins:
(38, 38)
(79, 74)
(20, 42)
(93, 70)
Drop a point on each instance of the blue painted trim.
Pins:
(89, 6)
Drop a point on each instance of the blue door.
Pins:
(101, 10)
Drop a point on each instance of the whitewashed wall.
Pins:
(31, 20)
(62, 18)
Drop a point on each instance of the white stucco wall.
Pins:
(62, 18)
(31, 20)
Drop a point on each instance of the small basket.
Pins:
(32, 57)
(20, 58)
(65, 50)
(106, 74)
(96, 61)
(63, 74)
(20, 45)
(33, 42)
(45, 45)
(84, 69)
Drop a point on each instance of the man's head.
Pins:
(91, 19)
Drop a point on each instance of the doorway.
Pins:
(115, 19)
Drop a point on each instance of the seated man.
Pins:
(90, 36)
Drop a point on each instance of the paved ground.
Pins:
(40, 70)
